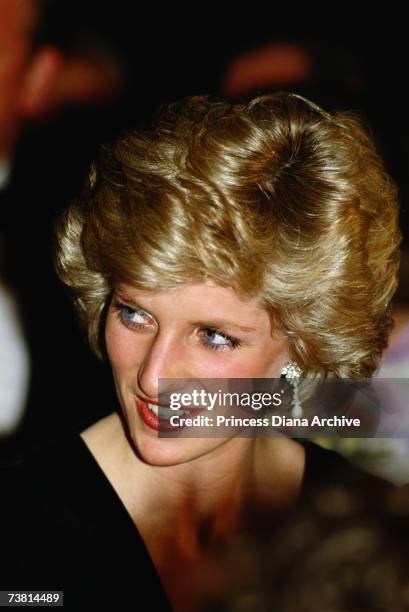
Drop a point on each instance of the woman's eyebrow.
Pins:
(216, 324)
(222, 323)
(127, 299)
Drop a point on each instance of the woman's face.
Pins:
(198, 331)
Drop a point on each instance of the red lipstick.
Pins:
(151, 419)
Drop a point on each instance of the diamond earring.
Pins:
(292, 372)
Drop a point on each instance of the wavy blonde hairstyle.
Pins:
(274, 197)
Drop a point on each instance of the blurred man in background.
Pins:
(44, 68)
(47, 62)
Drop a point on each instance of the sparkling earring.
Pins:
(292, 372)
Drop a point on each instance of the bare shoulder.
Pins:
(108, 443)
(104, 439)
(102, 430)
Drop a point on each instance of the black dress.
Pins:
(63, 527)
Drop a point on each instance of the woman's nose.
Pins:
(163, 360)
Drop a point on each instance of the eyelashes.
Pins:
(131, 317)
(229, 341)
(137, 319)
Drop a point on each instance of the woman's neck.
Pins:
(187, 513)
(261, 470)
(203, 499)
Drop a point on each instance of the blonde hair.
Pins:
(274, 197)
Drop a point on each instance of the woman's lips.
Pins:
(148, 416)
(153, 421)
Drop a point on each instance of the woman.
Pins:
(230, 241)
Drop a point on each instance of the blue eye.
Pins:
(132, 317)
(217, 340)
(136, 318)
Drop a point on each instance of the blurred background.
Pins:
(74, 74)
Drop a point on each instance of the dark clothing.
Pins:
(63, 527)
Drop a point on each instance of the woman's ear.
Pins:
(41, 82)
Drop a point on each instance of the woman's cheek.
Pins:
(250, 363)
(229, 364)
(120, 344)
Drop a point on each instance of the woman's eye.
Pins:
(217, 340)
(132, 317)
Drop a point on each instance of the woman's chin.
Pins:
(169, 451)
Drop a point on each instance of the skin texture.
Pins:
(176, 490)
(170, 345)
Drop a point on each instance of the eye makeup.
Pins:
(135, 318)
